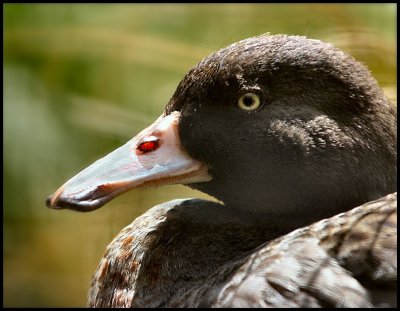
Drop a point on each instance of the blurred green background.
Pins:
(81, 79)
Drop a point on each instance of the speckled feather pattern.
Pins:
(311, 266)
(114, 281)
(314, 266)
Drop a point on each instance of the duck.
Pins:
(297, 143)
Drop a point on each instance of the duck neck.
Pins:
(195, 239)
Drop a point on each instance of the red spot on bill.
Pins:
(149, 145)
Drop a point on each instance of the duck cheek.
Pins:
(204, 133)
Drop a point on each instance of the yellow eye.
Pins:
(249, 101)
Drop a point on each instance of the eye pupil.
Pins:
(248, 100)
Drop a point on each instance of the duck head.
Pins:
(271, 124)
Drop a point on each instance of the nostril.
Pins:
(149, 144)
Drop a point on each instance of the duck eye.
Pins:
(249, 101)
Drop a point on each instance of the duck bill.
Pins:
(153, 157)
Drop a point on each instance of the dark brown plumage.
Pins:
(315, 137)
(174, 256)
